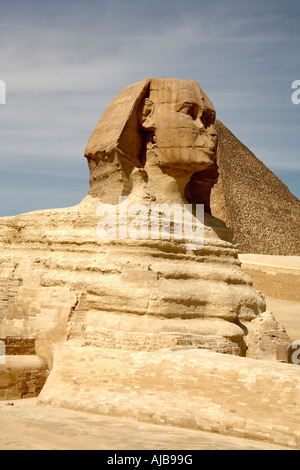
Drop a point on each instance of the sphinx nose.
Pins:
(199, 124)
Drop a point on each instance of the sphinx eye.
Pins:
(189, 109)
(208, 118)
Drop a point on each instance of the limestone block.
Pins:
(22, 377)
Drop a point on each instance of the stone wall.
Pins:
(18, 346)
(275, 277)
(22, 377)
(8, 291)
(39, 315)
(34, 322)
(189, 388)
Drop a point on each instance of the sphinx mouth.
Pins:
(210, 152)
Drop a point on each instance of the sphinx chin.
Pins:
(194, 160)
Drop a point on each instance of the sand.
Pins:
(28, 426)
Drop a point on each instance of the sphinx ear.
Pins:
(146, 115)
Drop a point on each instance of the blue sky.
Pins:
(64, 61)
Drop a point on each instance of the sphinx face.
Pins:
(184, 116)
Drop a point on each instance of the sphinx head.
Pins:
(168, 122)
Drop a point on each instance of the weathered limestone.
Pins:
(126, 306)
(264, 336)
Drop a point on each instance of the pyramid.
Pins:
(249, 198)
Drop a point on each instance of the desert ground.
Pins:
(278, 278)
(28, 426)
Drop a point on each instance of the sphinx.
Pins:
(156, 327)
(155, 144)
